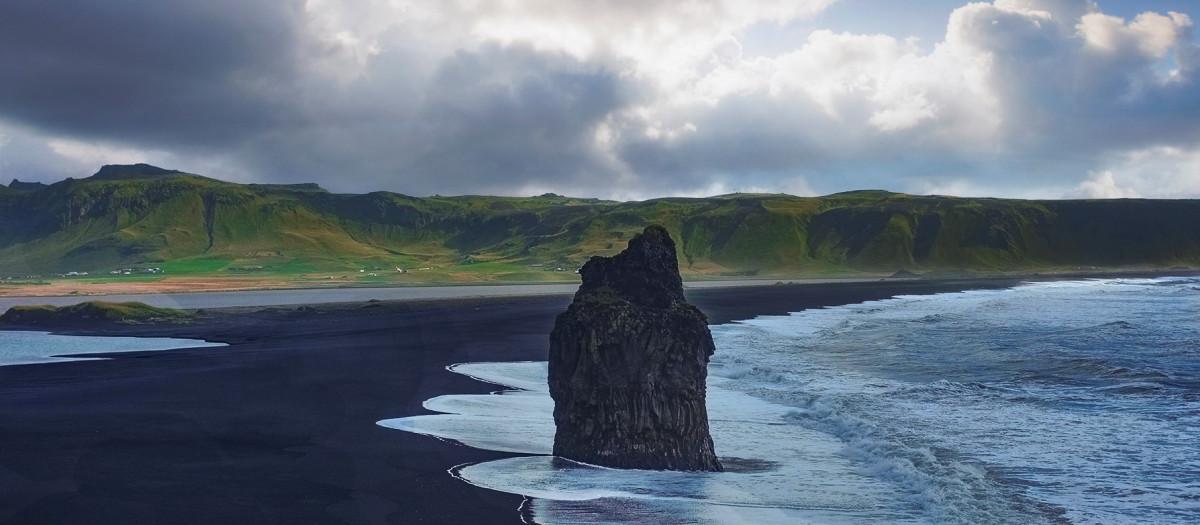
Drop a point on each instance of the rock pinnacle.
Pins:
(628, 362)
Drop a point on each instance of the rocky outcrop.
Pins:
(25, 186)
(628, 361)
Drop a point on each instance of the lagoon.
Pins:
(24, 348)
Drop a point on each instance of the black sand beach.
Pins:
(279, 427)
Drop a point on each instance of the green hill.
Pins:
(127, 216)
(92, 312)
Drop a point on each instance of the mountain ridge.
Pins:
(142, 214)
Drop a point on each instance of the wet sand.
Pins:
(279, 427)
(202, 298)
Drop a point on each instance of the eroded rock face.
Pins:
(628, 361)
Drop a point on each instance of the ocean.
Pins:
(1057, 402)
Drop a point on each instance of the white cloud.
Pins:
(1102, 185)
(1151, 34)
(1062, 11)
(661, 37)
(966, 186)
(1157, 172)
(94, 154)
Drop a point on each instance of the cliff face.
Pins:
(628, 361)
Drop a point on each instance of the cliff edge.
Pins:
(628, 362)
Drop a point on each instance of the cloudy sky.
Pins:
(612, 98)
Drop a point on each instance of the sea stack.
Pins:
(628, 362)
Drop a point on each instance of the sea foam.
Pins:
(775, 469)
(1046, 403)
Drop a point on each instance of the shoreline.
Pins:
(280, 426)
(229, 284)
(207, 299)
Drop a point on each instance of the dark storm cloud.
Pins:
(167, 72)
(489, 120)
(229, 78)
(518, 114)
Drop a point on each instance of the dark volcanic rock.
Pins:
(628, 360)
(134, 171)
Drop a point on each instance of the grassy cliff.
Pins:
(92, 312)
(130, 216)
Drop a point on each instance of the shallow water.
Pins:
(21, 348)
(1068, 402)
(814, 481)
